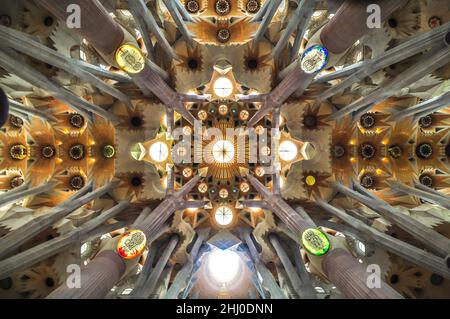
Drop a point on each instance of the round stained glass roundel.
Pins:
(315, 242)
(130, 59)
(314, 59)
(131, 244)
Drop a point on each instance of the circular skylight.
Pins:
(224, 265)
(159, 152)
(223, 216)
(287, 151)
(223, 151)
(223, 87)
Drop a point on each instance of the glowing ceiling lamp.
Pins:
(131, 244)
(310, 180)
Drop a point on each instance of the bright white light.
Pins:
(84, 248)
(317, 14)
(260, 278)
(223, 215)
(127, 291)
(287, 151)
(223, 151)
(159, 152)
(105, 236)
(224, 265)
(362, 247)
(223, 87)
(320, 290)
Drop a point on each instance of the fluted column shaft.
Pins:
(97, 26)
(97, 280)
(350, 23)
(351, 279)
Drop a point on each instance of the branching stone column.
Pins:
(345, 28)
(301, 270)
(183, 276)
(285, 283)
(358, 71)
(163, 283)
(17, 237)
(178, 19)
(268, 280)
(408, 252)
(302, 290)
(153, 82)
(429, 62)
(150, 284)
(424, 193)
(29, 111)
(153, 248)
(109, 38)
(49, 248)
(164, 210)
(26, 44)
(146, 20)
(294, 80)
(425, 108)
(338, 265)
(298, 21)
(14, 196)
(267, 14)
(430, 238)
